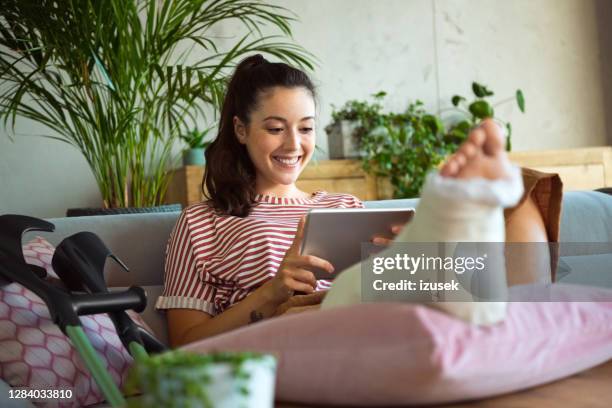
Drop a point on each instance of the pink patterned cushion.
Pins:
(394, 353)
(35, 353)
(39, 252)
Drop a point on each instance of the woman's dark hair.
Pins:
(229, 177)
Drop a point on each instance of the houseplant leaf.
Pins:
(433, 123)
(481, 109)
(480, 90)
(520, 100)
(457, 99)
(509, 137)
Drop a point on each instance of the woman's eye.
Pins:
(275, 130)
(306, 130)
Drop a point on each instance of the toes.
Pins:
(468, 150)
(477, 137)
(445, 170)
(460, 158)
(450, 168)
(494, 137)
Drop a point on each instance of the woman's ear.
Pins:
(240, 130)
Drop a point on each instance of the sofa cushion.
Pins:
(35, 353)
(398, 353)
(40, 252)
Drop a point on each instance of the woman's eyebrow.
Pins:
(275, 118)
(285, 120)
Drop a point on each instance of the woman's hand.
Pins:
(292, 275)
(385, 239)
(301, 303)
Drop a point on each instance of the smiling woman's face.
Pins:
(280, 137)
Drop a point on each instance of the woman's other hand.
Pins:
(385, 239)
(292, 275)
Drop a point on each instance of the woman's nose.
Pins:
(293, 138)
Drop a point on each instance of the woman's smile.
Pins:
(287, 162)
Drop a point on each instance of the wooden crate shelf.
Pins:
(580, 169)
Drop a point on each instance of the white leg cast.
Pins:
(450, 210)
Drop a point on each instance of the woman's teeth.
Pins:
(287, 161)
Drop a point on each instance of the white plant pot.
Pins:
(341, 141)
(222, 387)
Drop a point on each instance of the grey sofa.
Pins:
(140, 241)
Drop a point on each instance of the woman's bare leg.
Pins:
(528, 257)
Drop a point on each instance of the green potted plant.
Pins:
(194, 154)
(405, 149)
(350, 123)
(119, 79)
(401, 148)
(179, 378)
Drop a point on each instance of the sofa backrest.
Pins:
(397, 203)
(139, 240)
(586, 217)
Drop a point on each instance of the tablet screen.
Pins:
(336, 234)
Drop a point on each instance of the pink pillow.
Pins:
(39, 252)
(394, 353)
(35, 353)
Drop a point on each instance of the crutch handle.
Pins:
(108, 302)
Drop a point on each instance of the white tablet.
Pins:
(336, 234)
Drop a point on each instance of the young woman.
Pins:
(232, 259)
(238, 242)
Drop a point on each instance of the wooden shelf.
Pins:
(580, 169)
(185, 186)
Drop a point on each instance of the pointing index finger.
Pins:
(299, 235)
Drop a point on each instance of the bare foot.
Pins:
(481, 155)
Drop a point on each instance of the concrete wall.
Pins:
(557, 51)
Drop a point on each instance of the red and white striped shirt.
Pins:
(213, 262)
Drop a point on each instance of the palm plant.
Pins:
(121, 79)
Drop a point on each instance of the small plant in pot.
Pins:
(179, 378)
(350, 124)
(194, 154)
(405, 149)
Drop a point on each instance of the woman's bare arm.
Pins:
(187, 325)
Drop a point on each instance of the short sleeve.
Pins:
(183, 287)
(357, 203)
